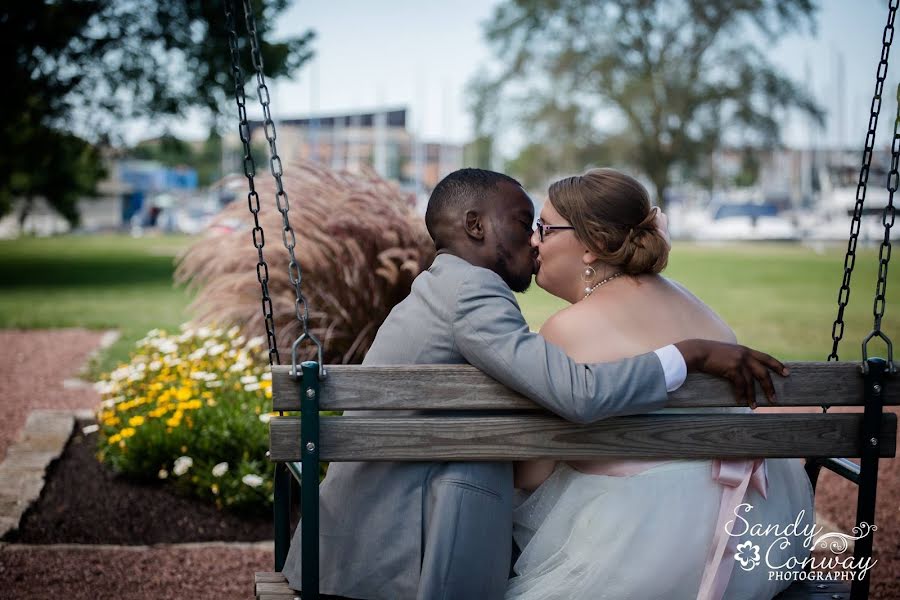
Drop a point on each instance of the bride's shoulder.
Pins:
(570, 322)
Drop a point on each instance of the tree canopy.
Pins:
(651, 83)
(77, 69)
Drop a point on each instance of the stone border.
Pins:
(110, 337)
(23, 471)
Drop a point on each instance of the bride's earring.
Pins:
(587, 276)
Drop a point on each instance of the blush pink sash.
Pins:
(735, 476)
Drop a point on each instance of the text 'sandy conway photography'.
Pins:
(764, 545)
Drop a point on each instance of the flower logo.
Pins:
(748, 555)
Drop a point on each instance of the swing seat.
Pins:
(517, 429)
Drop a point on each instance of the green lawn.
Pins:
(779, 298)
(97, 282)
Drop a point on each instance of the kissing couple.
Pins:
(615, 529)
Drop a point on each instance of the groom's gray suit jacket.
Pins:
(376, 518)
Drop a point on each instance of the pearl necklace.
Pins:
(590, 290)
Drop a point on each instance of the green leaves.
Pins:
(78, 68)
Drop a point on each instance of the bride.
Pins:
(639, 529)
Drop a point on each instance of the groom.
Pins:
(397, 531)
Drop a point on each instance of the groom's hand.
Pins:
(738, 364)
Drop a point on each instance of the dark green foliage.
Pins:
(77, 68)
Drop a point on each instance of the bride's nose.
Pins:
(535, 239)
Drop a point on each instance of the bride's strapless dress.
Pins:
(647, 536)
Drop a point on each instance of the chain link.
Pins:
(884, 251)
(837, 330)
(259, 238)
(887, 219)
(295, 274)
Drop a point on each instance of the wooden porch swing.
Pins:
(519, 429)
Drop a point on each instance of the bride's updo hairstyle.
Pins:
(612, 217)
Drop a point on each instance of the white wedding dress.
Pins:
(648, 536)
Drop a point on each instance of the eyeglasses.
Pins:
(543, 229)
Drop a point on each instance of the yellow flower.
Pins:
(184, 393)
(127, 432)
(114, 438)
(136, 421)
(215, 488)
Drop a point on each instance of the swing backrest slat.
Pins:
(463, 387)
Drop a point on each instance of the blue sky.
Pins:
(420, 55)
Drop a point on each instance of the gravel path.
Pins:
(87, 573)
(33, 366)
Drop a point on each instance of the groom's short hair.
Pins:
(452, 192)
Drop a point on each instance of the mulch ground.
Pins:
(33, 365)
(83, 502)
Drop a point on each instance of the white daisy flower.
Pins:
(182, 464)
(252, 480)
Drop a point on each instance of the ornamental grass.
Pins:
(359, 243)
(192, 407)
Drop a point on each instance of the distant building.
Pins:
(378, 139)
(143, 179)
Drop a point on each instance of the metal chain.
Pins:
(295, 274)
(884, 252)
(259, 239)
(837, 330)
(887, 219)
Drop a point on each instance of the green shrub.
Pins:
(192, 408)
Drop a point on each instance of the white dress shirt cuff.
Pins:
(673, 366)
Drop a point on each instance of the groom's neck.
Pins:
(470, 255)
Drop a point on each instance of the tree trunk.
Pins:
(26, 210)
(661, 183)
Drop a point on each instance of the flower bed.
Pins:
(192, 408)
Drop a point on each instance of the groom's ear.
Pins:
(474, 224)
